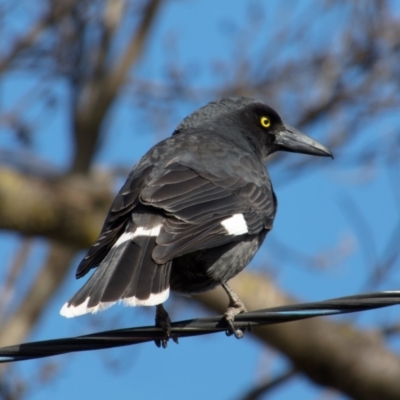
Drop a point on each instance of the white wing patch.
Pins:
(140, 231)
(70, 311)
(235, 225)
(123, 238)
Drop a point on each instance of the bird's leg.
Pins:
(163, 321)
(236, 307)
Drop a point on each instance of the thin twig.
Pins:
(269, 384)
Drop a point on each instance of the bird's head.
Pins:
(258, 123)
(264, 127)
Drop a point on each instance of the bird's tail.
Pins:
(128, 273)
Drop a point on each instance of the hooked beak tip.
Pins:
(291, 139)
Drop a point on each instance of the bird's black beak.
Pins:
(291, 139)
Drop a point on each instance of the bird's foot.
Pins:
(236, 307)
(164, 322)
(230, 314)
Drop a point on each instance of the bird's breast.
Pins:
(203, 270)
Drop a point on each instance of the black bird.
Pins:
(192, 213)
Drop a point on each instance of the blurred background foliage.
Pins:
(86, 87)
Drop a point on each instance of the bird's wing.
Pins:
(126, 200)
(207, 206)
(210, 193)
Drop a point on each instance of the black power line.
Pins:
(199, 326)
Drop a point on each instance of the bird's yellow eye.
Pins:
(265, 122)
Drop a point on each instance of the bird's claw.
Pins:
(233, 331)
(233, 310)
(164, 322)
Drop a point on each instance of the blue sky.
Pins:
(310, 219)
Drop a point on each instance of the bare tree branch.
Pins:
(269, 384)
(7, 288)
(100, 91)
(41, 290)
(70, 210)
(26, 41)
(332, 354)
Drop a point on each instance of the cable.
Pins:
(200, 326)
